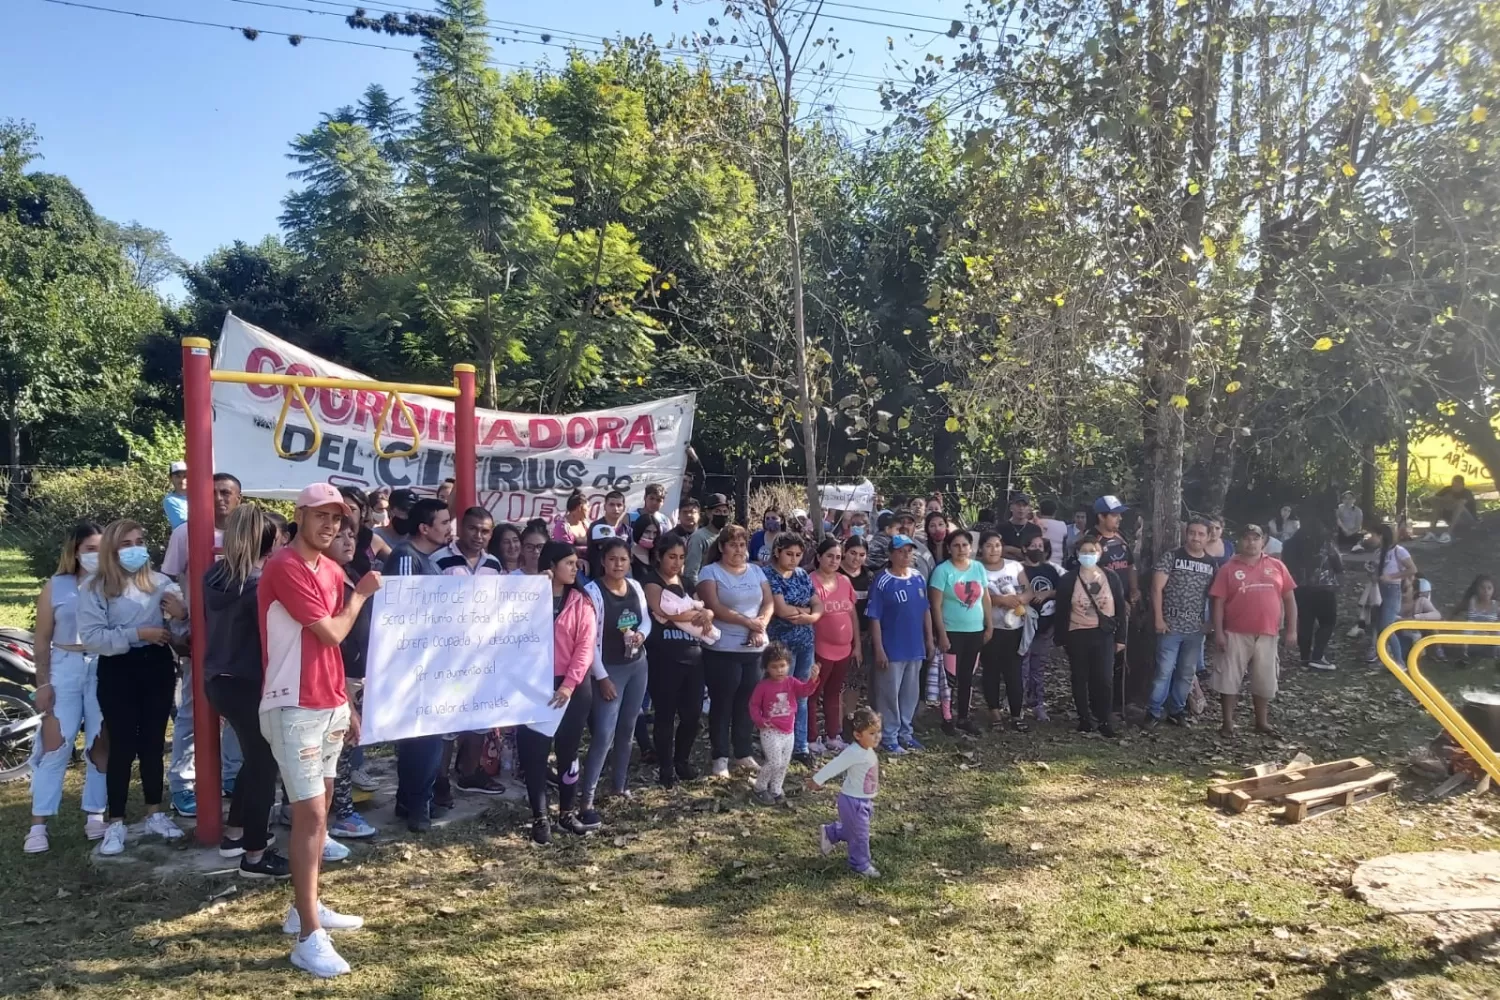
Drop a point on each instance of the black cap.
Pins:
(1020, 498)
(716, 500)
(885, 520)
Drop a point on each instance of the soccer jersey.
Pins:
(301, 671)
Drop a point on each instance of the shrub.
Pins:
(58, 500)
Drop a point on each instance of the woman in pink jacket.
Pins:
(572, 656)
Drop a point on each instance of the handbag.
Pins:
(1107, 624)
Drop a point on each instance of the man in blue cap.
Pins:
(1116, 554)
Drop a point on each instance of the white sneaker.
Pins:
(94, 826)
(1321, 665)
(721, 767)
(36, 840)
(316, 954)
(1355, 631)
(1431, 536)
(1445, 538)
(747, 764)
(114, 838)
(364, 780)
(1357, 548)
(825, 846)
(870, 872)
(333, 850)
(161, 824)
(330, 920)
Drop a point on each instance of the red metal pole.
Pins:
(465, 443)
(198, 415)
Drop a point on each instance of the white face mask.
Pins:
(89, 561)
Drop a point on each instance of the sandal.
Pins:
(1019, 726)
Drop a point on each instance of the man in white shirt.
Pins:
(1351, 524)
(183, 772)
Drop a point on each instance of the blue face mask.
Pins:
(134, 557)
(773, 525)
(1088, 558)
(857, 530)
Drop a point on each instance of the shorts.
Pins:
(1255, 654)
(305, 743)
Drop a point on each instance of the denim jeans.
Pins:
(897, 689)
(613, 725)
(1177, 656)
(1390, 610)
(417, 764)
(802, 663)
(75, 686)
(183, 771)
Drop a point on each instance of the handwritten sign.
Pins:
(451, 654)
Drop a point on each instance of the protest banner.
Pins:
(848, 496)
(528, 462)
(451, 654)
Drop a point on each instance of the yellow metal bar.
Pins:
(394, 398)
(317, 431)
(319, 382)
(1488, 634)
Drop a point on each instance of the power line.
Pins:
(232, 27)
(544, 34)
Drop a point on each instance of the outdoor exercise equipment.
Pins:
(198, 376)
(1410, 674)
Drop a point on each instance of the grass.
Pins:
(18, 588)
(1042, 865)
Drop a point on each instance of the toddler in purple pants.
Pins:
(860, 767)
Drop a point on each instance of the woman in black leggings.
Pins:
(573, 627)
(674, 663)
(232, 679)
(959, 598)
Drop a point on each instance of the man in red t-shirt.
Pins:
(1252, 602)
(304, 711)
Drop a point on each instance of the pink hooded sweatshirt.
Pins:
(573, 640)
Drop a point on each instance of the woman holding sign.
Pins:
(619, 672)
(573, 630)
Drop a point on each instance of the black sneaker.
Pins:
(949, 728)
(442, 793)
(1085, 727)
(685, 771)
(541, 831)
(271, 865)
(1180, 719)
(967, 725)
(1150, 721)
(1108, 731)
(480, 784)
(804, 758)
(417, 824)
(666, 778)
(590, 819)
(570, 823)
(236, 847)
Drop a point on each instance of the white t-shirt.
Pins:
(1393, 560)
(1003, 581)
(1056, 532)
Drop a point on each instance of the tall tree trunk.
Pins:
(1403, 464)
(1367, 483)
(805, 404)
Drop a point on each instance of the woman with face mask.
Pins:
(645, 533)
(760, 542)
(1090, 624)
(65, 692)
(128, 615)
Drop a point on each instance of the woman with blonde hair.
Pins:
(232, 679)
(128, 614)
(65, 692)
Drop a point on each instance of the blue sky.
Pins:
(185, 128)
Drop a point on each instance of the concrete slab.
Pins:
(186, 858)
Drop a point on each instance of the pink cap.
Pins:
(322, 495)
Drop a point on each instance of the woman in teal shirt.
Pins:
(958, 594)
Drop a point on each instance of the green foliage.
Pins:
(58, 500)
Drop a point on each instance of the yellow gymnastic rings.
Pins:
(394, 398)
(317, 431)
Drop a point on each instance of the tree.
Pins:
(148, 252)
(71, 315)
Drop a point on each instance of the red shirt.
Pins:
(833, 635)
(1252, 594)
(301, 671)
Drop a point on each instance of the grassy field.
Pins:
(1043, 865)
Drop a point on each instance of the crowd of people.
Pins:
(798, 641)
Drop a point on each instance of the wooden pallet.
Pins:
(1237, 796)
(1300, 806)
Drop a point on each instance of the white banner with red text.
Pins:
(527, 463)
